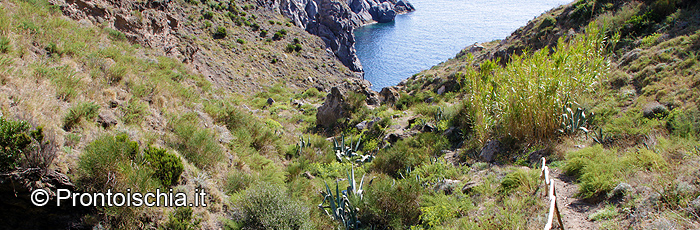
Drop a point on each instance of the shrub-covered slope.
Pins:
(190, 95)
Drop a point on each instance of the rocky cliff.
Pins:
(335, 20)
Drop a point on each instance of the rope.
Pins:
(552, 194)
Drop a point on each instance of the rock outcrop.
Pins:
(332, 109)
(19, 212)
(335, 20)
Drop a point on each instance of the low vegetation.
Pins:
(612, 105)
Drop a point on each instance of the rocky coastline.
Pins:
(335, 20)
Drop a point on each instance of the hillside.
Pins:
(241, 100)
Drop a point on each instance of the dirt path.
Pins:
(574, 212)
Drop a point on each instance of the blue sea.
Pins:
(437, 31)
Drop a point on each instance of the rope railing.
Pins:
(552, 194)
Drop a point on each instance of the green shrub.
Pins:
(115, 34)
(83, 111)
(598, 170)
(134, 111)
(279, 34)
(167, 167)
(53, 49)
(263, 33)
(391, 204)
(14, 140)
(238, 181)
(311, 92)
(267, 206)
(220, 32)
(4, 44)
(684, 122)
(523, 180)
(409, 153)
(107, 163)
(289, 48)
(208, 15)
(182, 219)
(116, 73)
(250, 130)
(240, 41)
(66, 80)
(197, 145)
(606, 213)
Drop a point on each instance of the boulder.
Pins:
(362, 125)
(446, 186)
(389, 95)
(655, 110)
(695, 205)
(441, 90)
(469, 186)
(332, 108)
(106, 118)
(620, 190)
(489, 152)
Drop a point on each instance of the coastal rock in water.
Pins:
(383, 12)
(332, 108)
(402, 6)
(335, 20)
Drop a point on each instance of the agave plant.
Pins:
(599, 137)
(339, 204)
(350, 152)
(572, 122)
(353, 188)
(340, 207)
(303, 144)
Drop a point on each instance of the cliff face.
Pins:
(335, 20)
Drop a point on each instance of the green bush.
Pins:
(116, 73)
(182, 219)
(220, 32)
(263, 33)
(251, 131)
(238, 181)
(167, 167)
(197, 145)
(289, 48)
(279, 34)
(311, 92)
(390, 204)
(684, 122)
(115, 34)
(292, 47)
(4, 44)
(240, 41)
(598, 170)
(409, 153)
(107, 162)
(134, 111)
(14, 140)
(522, 180)
(208, 15)
(83, 111)
(267, 206)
